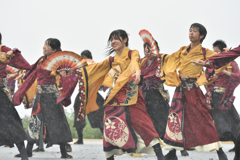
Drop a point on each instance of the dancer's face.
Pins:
(118, 44)
(47, 50)
(148, 53)
(216, 49)
(194, 35)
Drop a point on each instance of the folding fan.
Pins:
(63, 60)
(10, 69)
(147, 38)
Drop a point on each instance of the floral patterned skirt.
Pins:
(189, 122)
(128, 129)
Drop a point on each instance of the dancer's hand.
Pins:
(9, 54)
(62, 72)
(226, 72)
(20, 76)
(137, 77)
(198, 62)
(227, 49)
(11, 75)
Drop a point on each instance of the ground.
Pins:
(93, 150)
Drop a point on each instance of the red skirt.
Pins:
(121, 123)
(196, 127)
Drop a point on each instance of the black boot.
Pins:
(232, 150)
(158, 152)
(38, 150)
(80, 135)
(68, 147)
(171, 155)
(111, 158)
(64, 152)
(184, 153)
(29, 150)
(22, 150)
(221, 155)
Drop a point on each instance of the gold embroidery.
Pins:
(132, 69)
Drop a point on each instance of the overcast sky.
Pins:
(86, 24)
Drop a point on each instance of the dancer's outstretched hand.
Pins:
(227, 49)
(198, 62)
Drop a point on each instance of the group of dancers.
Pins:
(135, 117)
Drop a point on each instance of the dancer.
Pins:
(156, 98)
(217, 62)
(189, 123)
(46, 111)
(95, 118)
(127, 126)
(220, 98)
(11, 129)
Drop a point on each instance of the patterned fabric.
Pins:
(188, 83)
(5, 88)
(183, 128)
(125, 94)
(219, 89)
(208, 97)
(117, 132)
(81, 113)
(159, 60)
(48, 88)
(163, 92)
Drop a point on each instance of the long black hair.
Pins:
(0, 38)
(54, 43)
(116, 34)
(202, 30)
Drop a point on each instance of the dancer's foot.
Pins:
(158, 151)
(221, 155)
(10, 146)
(68, 148)
(67, 156)
(171, 155)
(79, 142)
(19, 155)
(184, 153)
(111, 158)
(38, 150)
(232, 150)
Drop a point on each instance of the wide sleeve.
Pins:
(17, 61)
(169, 67)
(235, 75)
(210, 74)
(93, 75)
(223, 58)
(135, 62)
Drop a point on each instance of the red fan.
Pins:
(11, 69)
(63, 59)
(147, 38)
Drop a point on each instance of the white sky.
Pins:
(86, 24)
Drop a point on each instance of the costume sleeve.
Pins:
(235, 75)
(17, 61)
(94, 75)
(135, 62)
(169, 66)
(4, 49)
(223, 58)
